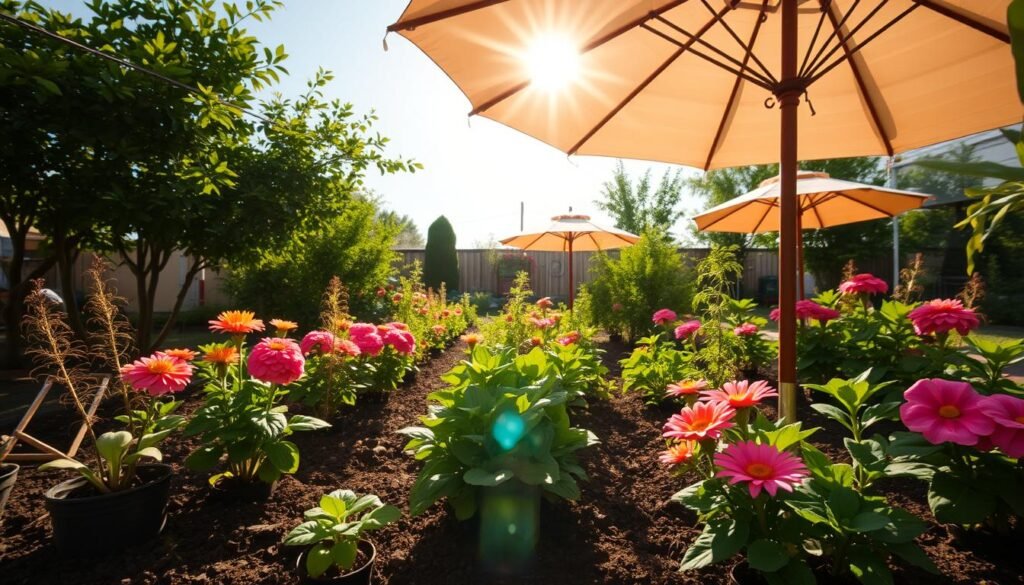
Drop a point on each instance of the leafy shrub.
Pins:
(647, 276)
(441, 264)
(655, 364)
(495, 423)
(434, 320)
(720, 354)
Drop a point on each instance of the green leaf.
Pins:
(720, 540)
(306, 423)
(958, 501)
(913, 554)
(111, 446)
(383, 516)
(868, 521)
(204, 458)
(62, 464)
(343, 554)
(483, 477)
(318, 560)
(283, 455)
(1015, 23)
(766, 555)
(307, 533)
(868, 567)
(333, 506)
(844, 503)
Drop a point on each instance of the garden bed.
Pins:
(622, 530)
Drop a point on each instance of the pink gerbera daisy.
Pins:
(678, 453)
(943, 316)
(864, 284)
(740, 394)
(944, 410)
(686, 388)
(1008, 414)
(158, 374)
(745, 330)
(763, 466)
(703, 420)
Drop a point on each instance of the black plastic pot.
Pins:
(8, 475)
(88, 523)
(360, 576)
(246, 491)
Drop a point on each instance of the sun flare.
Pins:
(552, 62)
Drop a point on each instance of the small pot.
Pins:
(89, 523)
(248, 491)
(8, 475)
(360, 576)
(741, 574)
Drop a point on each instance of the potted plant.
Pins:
(8, 473)
(333, 534)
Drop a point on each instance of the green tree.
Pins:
(409, 236)
(441, 262)
(636, 208)
(719, 186)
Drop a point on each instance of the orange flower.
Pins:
(220, 353)
(283, 326)
(182, 354)
(472, 339)
(236, 323)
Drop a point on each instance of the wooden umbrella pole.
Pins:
(571, 287)
(800, 254)
(788, 95)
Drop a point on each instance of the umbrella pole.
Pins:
(800, 254)
(788, 96)
(571, 287)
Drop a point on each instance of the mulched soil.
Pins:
(624, 529)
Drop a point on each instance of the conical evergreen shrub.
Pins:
(441, 263)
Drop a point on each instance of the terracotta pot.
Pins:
(360, 576)
(8, 476)
(86, 522)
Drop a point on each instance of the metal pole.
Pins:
(522, 214)
(891, 183)
(788, 96)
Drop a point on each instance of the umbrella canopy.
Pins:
(717, 83)
(823, 202)
(569, 233)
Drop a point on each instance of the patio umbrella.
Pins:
(569, 233)
(717, 83)
(822, 202)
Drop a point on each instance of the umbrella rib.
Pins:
(736, 37)
(806, 66)
(735, 90)
(865, 204)
(585, 49)
(860, 46)
(636, 91)
(744, 206)
(767, 210)
(841, 41)
(814, 38)
(814, 208)
(749, 77)
(861, 84)
(442, 15)
(965, 20)
(741, 64)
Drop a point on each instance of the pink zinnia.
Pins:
(943, 410)
(1008, 414)
(545, 303)
(745, 329)
(542, 323)
(678, 453)
(686, 388)
(807, 309)
(277, 360)
(320, 341)
(398, 325)
(740, 394)
(943, 316)
(403, 341)
(347, 347)
(662, 316)
(361, 329)
(569, 338)
(438, 329)
(158, 374)
(864, 283)
(763, 466)
(703, 420)
(687, 329)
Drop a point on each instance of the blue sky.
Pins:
(476, 171)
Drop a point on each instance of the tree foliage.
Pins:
(636, 207)
(441, 263)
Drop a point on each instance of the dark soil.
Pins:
(624, 529)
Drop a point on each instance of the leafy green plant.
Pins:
(495, 423)
(330, 533)
(987, 374)
(653, 365)
(720, 353)
(510, 328)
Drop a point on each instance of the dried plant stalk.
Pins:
(973, 291)
(334, 318)
(113, 338)
(910, 287)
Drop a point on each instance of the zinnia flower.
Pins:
(763, 466)
(472, 339)
(381, 292)
(542, 323)
(182, 354)
(158, 374)
(864, 283)
(745, 330)
(438, 329)
(703, 420)
(662, 316)
(346, 347)
(944, 410)
(687, 329)
(617, 307)
(277, 360)
(678, 453)
(545, 303)
(320, 341)
(236, 323)
(806, 309)
(220, 353)
(943, 316)
(535, 341)
(569, 338)
(283, 327)
(740, 394)
(398, 325)
(402, 341)
(1008, 414)
(458, 311)
(361, 329)
(686, 388)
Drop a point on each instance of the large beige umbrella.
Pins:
(569, 233)
(717, 83)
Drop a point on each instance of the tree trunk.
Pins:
(66, 253)
(197, 265)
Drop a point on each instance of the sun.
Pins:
(552, 62)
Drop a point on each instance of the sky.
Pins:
(476, 172)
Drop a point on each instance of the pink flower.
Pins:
(545, 303)
(403, 341)
(864, 283)
(686, 388)
(617, 307)
(347, 347)
(277, 360)
(158, 374)
(662, 316)
(569, 338)
(320, 341)
(703, 420)
(943, 410)
(687, 329)
(361, 329)
(398, 325)
(396, 298)
(679, 453)
(542, 323)
(438, 329)
(943, 316)
(1008, 414)
(740, 394)
(745, 329)
(807, 309)
(763, 466)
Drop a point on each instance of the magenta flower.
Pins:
(943, 316)
(569, 338)
(944, 410)
(807, 309)
(367, 337)
(703, 420)
(745, 330)
(158, 374)
(688, 328)
(763, 466)
(347, 347)
(662, 316)
(1008, 414)
(402, 341)
(542, 323)
(864, 284)
(740, 394)
(277, 360)
(319, 341)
